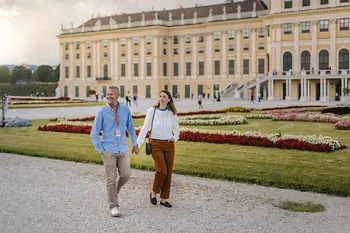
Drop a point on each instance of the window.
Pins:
(105, 43)
(245, 66)
(216, 35)
(164, 40)
(324, 60)
(231, 67)
(149, 69)
(245, 33)
(176, 39)
(288, 4)
(89, 71)
(77, 71)
(246, 47)
(136, 69)
(122, 91)
(305, 27)
(201, 68)
(188, 68)
(136, 40)
(231, 35)
(87, 91)
(122, 70)
(343, 59)
(105, 54)
(164, 51)
(149, 39)
(66, 46)
(344, 24)
(77, 56)
(77, 45)
(261, 45)
(287, 61)
(187, 91)
(188, 50)
(305, 60)
(66, 56)
(201, 49)
(165, 69)
(175, 52)
(89, 55)
(148, 91)
(201, 38)
(136, 52)
(65, 91)
(105, 70)
(89, 44)
(323, 2)
(261, 66)
(261, 32)
(176, 69)
(174, 90)
(122, 53)
(66, 72)
(324, 24)
(287, 28)
(306, 2)
(166, 87)
(149, 51)
(217, 48)
(343, 1)
(188, 39)
(77, 91)
(122, 41)
(231, 47)
(217, 67)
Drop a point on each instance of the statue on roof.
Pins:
(143, 17)
(111, 21)
(170, 16)
(239, 8)
(156, 16)
(224, 10)
(195, 15)
(182, 16)
(98, 22)
(254, 6)
(129, 19)
(211, 12)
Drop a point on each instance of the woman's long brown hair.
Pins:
(170, 106)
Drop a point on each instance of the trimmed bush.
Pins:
(337, 110)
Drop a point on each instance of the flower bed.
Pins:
(282, 141)
(296, 106)
(258, 116)
(329, 118)
(213, 120)
(343, 125)
(46, 102)
(279, 112)
(236, 109)
(38, 99)
(16, 122)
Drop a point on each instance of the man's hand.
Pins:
(135, 149)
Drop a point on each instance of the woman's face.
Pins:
(163, 98)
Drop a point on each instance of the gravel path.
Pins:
(44, 195)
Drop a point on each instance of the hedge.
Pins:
(28, 89)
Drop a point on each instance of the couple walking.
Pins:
(112, 121)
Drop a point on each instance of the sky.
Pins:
(29, 28)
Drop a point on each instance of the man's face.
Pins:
(112, 96)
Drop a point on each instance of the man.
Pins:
(112, 120)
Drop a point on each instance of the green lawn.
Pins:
(302, 170)
(100, 103)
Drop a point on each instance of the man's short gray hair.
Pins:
(115, 88)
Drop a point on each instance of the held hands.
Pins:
(171, 140)
(135, 149)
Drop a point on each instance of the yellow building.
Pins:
(291, 49)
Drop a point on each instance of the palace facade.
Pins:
(291, 49)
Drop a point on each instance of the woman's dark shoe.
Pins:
(153, 199)
(166, 204)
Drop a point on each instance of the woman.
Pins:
(164, 133)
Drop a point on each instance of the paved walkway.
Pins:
(50, 196)
(144, 105)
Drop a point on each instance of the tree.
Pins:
(21, 74)
(5, 76)
(55, 75)
(43, 73)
